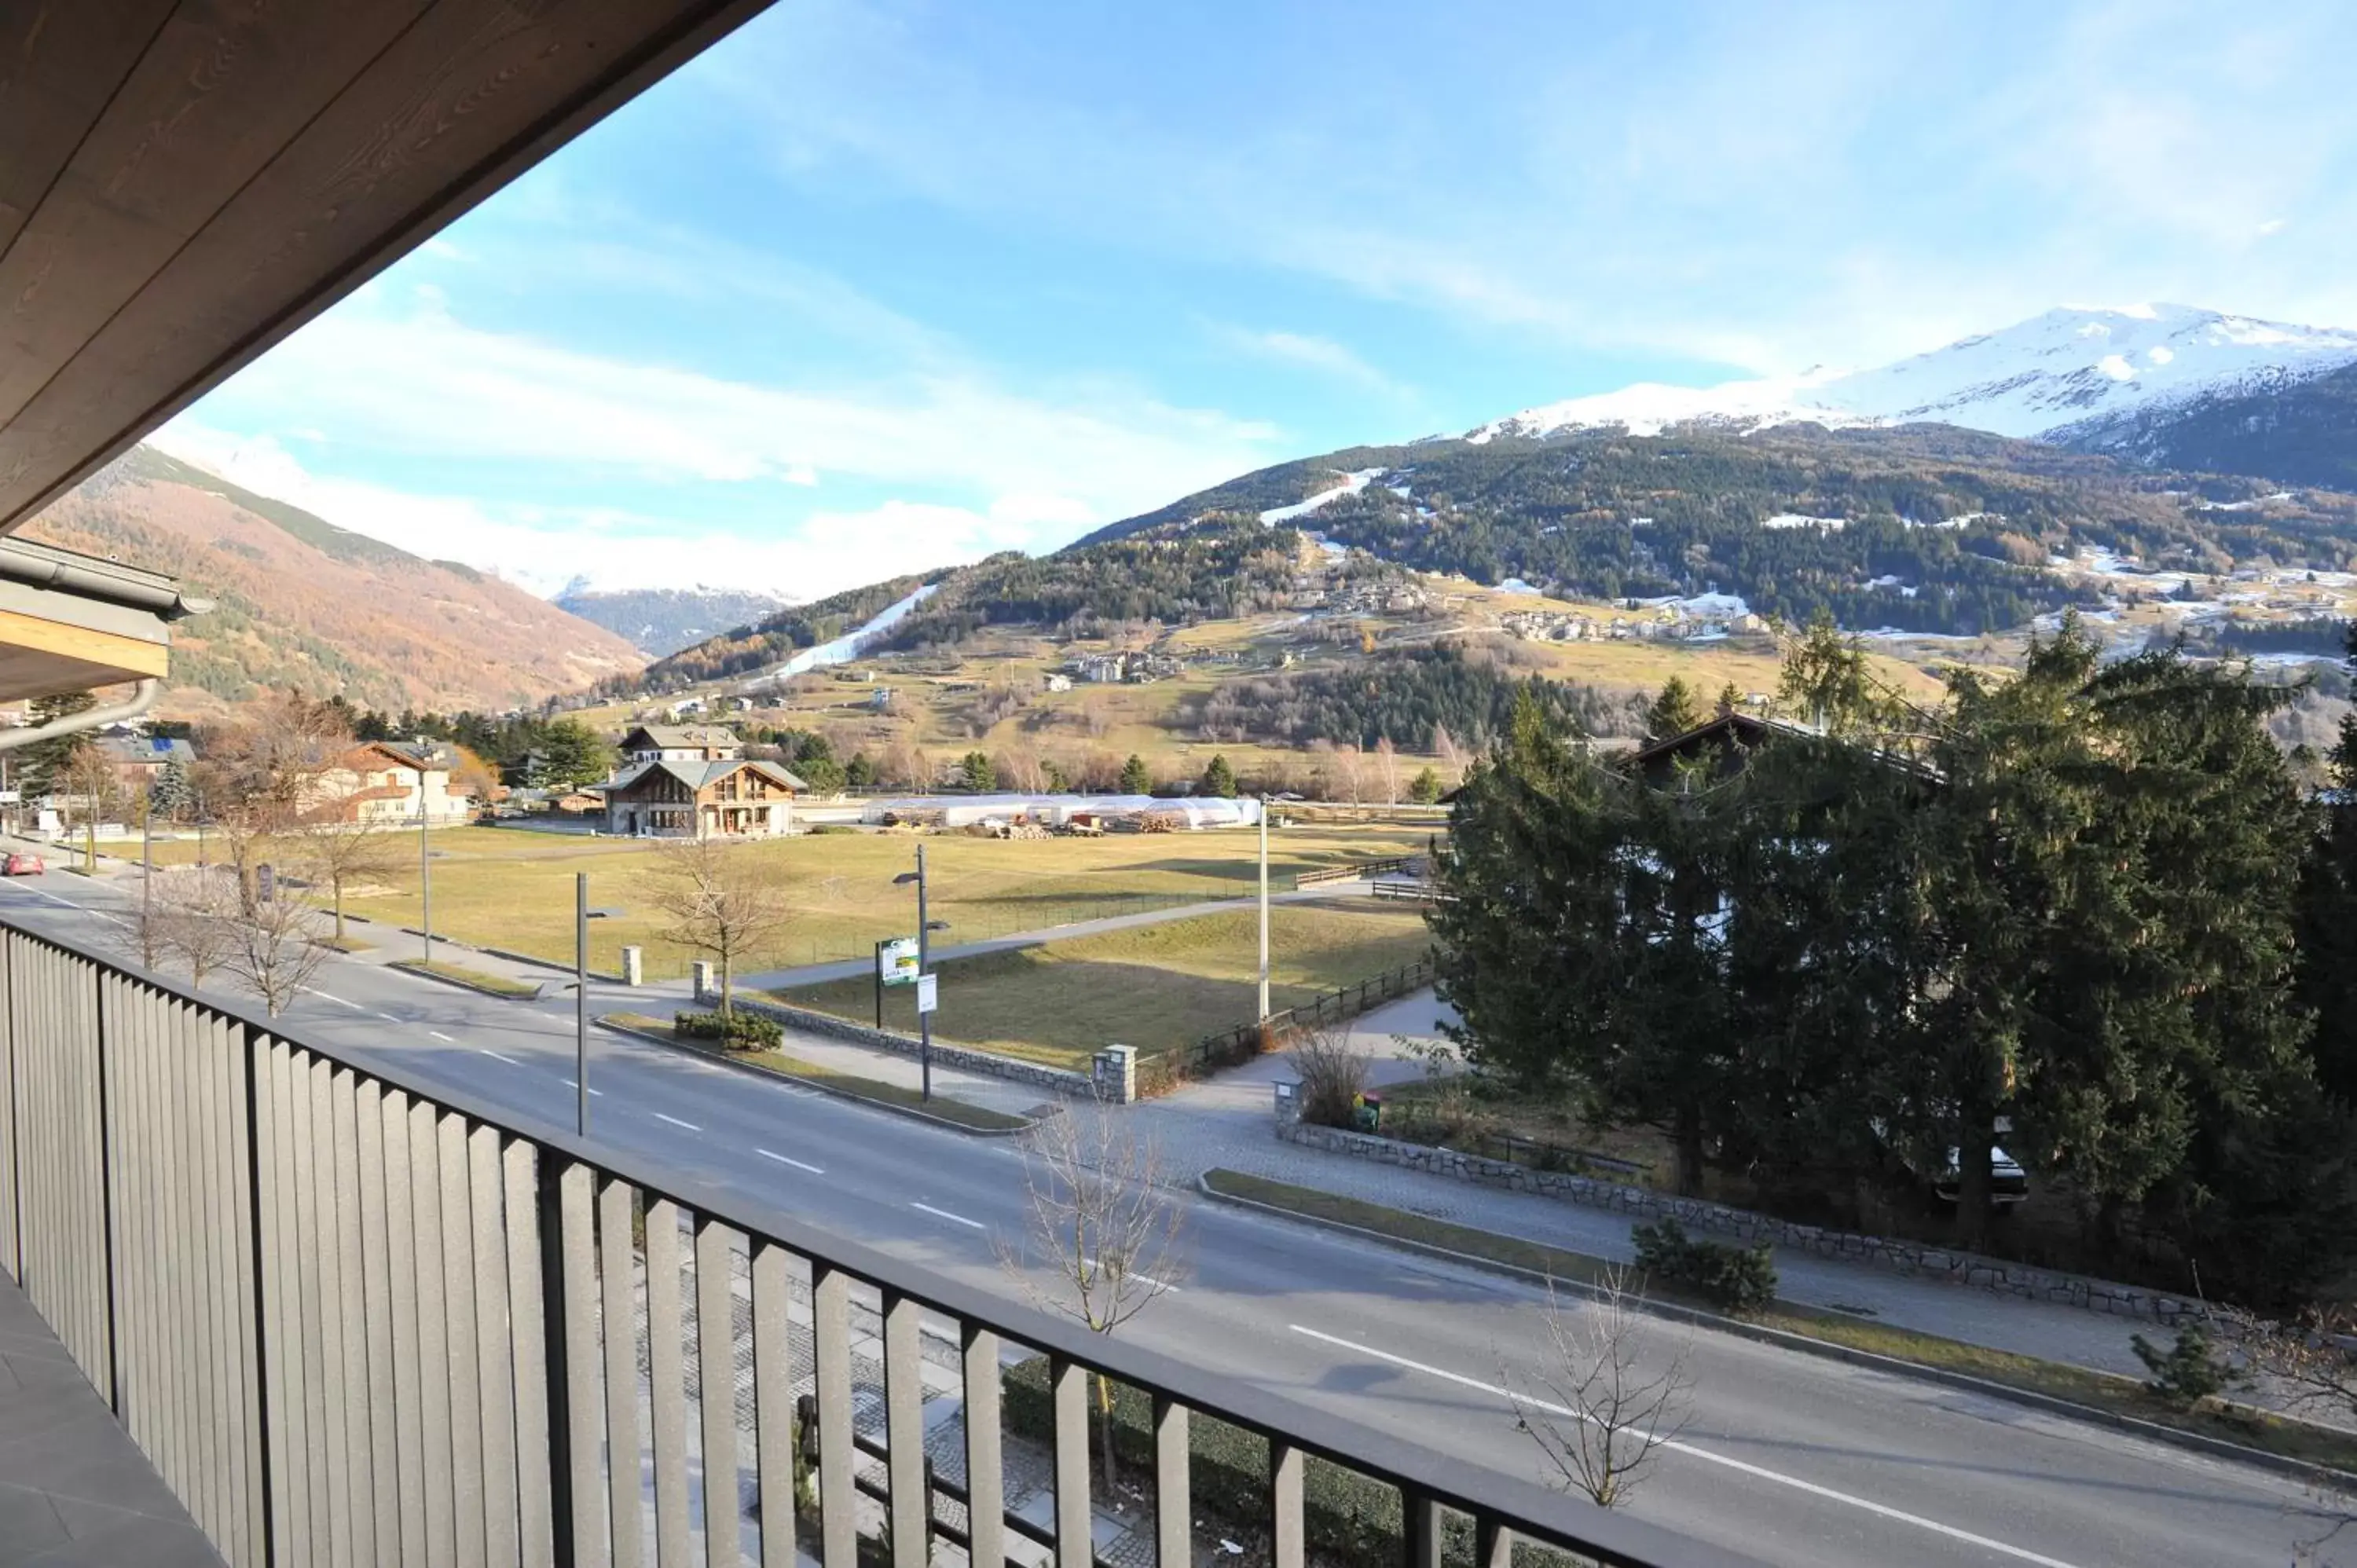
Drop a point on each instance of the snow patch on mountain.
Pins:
(1352, 483)
(2065, 368)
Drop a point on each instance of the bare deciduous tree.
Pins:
(2312, 1364)
(340, 846)
(1596, 1409)
(1443, 746)
(190, 919)
(1018, 769)
(270, 949)
(93, 790)
(1387, 769)
(1334, 1076)
(1102, 1223)
(718, 901)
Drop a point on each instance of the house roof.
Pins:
(1745, 729)
(674, 737)
(433, 756)
(696, 775)
(158, 750)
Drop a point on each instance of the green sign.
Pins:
(895, 960)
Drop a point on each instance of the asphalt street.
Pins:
(1787, 1457)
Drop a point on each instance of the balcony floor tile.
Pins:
(74, 1489)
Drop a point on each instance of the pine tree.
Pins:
(1674, 712)
(1826, 684)
(1218, 778)
(1134, 779)
(43, 763)
(1424, 788)
(171, 796)
(978, 773)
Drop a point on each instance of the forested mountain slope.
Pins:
(303, 605)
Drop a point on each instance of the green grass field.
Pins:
(513, 888)
(1155, 987)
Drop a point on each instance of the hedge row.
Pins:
(738, 1031)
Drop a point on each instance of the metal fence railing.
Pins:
(354, 1318)
(1230, 1047)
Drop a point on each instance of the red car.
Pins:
(22, 866)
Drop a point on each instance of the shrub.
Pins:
(1738, 1279)
(1334, 1076)
(2189, 1371)
(816, 829)
(738, 1032)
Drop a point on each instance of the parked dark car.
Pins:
(2008, 1182)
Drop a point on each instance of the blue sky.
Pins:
(875, 286)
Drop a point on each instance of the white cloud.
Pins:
(1766, 188)
(1306, 351)
(543, 549)
(423, 381)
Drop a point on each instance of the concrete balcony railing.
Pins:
(352, 1320)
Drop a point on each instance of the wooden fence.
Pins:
(1363, 871)
(1231, 1047)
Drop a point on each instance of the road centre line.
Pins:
(1934, 1526)
(441, 1036)
(390, 1017)
(790, 1160)
(337, 1000)
(496, 1057)
(945, 1214)
(571, 1083)
(676, 1121)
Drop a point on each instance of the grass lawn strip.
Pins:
(876, 1091)
(1159, 987)
(2103, 1392)
(472, 979)
(513, 887)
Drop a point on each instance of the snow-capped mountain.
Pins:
(2066, 368)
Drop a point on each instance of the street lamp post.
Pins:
(926, 926)
(148, 880)
(424, 870)
(581, 1003)
(1264, 908)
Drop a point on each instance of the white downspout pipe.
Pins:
(143, 697)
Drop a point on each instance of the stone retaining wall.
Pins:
(1048, 1078)
(1697, 1214)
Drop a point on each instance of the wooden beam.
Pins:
(61, 62)
(134, 656)
(219, 94)
(469, 95)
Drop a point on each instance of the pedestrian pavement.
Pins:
(1228, 1121)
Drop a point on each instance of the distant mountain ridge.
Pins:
(305, 605)
(2299, 432)
(2067, 367)
(661, 621)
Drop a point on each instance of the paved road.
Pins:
(1790, 1458)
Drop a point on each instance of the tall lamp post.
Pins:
(424, 870)
(927, 990)
(1264, 908)
(581, 916)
